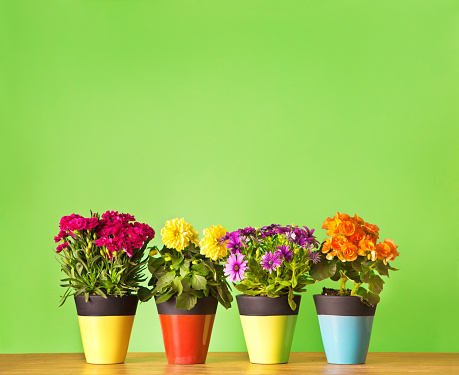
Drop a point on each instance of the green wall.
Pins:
(234, 113)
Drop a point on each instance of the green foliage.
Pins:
(91, 269)
(188, 275)
(365, 274)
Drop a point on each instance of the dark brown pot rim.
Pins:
(204, 306)
(342, 306)
(266, 306)
(110, 306)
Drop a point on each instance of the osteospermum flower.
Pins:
(235, 267)
(178, 234)
(270, 261)
(314, 256)
(211, 246)
(234, 244)
(284, 252)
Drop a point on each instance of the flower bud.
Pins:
(167, 258)
(153, 252)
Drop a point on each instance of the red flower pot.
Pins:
(186, 333)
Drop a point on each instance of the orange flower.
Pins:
(327, 246)
(333, 227)
(326, 222)
(383, 251)
(358, 219)
(346, 228)
(393, 249)
(366, 246)
(338, 242)
(349, 252)
(358, 236)
(371, 228)
(331, 255)
(343, 217)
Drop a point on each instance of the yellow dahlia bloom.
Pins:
(178, 234)
(210, 245)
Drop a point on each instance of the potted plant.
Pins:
(351, 254)
(268, 265)
(188, 283)
(102, 260)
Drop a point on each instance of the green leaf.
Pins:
(353, 275)
(186, 301)
(164, 297)
(382, 268)
(200, 269)
(368, 297)
(323, 270)
(177, 286)
(291, 302)
(294, 280)
(154, 263)
(144, 294)
(185, 268)
(198, 282)
(376, 284)
(164, 281)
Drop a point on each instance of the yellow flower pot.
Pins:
(105, 327)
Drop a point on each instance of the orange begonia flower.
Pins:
(333, 227)
(358, 219)
(349, 251)
(338, 242)
(326, 222)
(371, 228)
(331, 255)
(346, 228)
(358, 236)
(366, 246)
(382, 250)
(327, 246)
(393, 249)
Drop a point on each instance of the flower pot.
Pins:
(105, 327)
(186, 333)
(268, 325)
(345, 325)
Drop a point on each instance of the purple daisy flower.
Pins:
(270, 261)
(235, 267)
(249, 231)
(284, 252)
(234, 244)
(314, 257)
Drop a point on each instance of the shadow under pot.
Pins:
(105, 327)
(186, 333)
(345, 325)
(268, 324)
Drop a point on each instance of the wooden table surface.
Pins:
(231, 363)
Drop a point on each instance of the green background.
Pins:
(235, 113)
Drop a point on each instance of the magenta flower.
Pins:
(61, 247)
(284, 252)
(235, 267)
(270, 261)
(234, 244)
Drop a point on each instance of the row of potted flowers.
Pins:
(103, 258)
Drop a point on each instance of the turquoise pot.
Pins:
(345, 325)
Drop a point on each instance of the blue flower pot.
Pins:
(345, 325)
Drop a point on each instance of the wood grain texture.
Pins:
(230, 363)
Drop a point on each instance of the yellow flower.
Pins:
(177, 234)
(210, 245)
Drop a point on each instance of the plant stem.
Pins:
(355, 289)
(342, 286)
